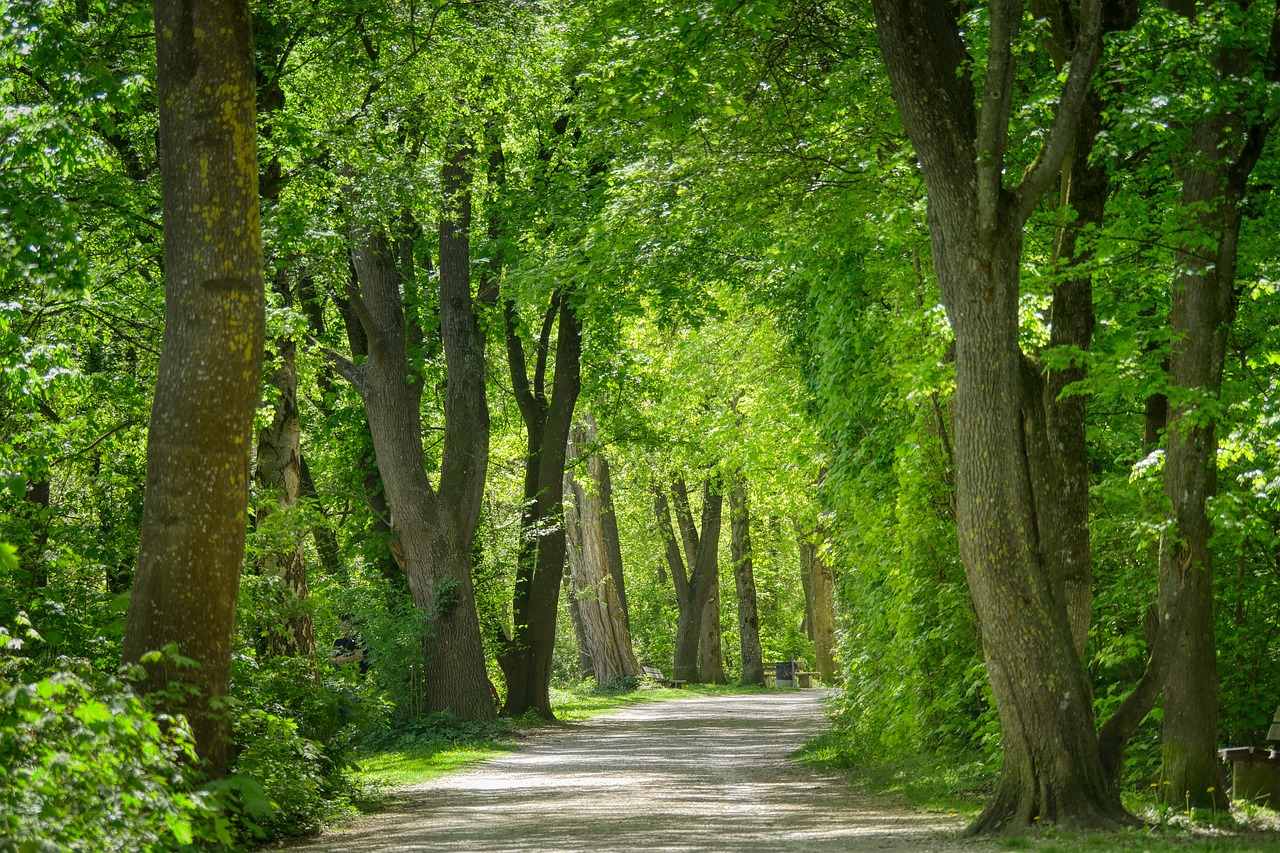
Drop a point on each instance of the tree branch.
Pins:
(993, 116)
(1041, 174)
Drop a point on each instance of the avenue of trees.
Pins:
(931, 344)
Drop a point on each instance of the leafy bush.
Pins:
(85, 765)
(289, 768)
(436, 729)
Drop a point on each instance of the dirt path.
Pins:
(691, 774)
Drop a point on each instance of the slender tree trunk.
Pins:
(195, 508)
(744, 581)
(526, 662)
(595, 592)
(819, 589)
(1202, 311)
(325, 540)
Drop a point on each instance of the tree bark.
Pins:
(526, 660)
(704, 573)
(432, 528)
(201, 429)
(1203, 307)
(1052, 771)
(819, 588)
(744, 582)
(595, 590)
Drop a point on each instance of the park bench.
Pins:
(654, 674)
(805, 679)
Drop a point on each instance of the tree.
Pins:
(693, 591)
(1224, 146)
(744, 582)
(432, 525)
(548, 417)
(1052, 769)
(596, 579)
(198, 446)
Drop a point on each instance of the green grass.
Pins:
(923, 780)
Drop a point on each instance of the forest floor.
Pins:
(705, 773)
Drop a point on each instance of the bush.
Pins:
(85, 765)
(289, 768)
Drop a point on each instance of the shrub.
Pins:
(85, 765)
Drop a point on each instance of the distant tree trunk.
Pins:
(710, 646)
(585, 666)
(431, 527)
(744, 581)
(704, 574)
(195, 507)
(595, 592)
(819, 585)
(808, 551)
(1214, 179)
(671, 547)
(609, 520)
(280, 473)
(526, 660)
(824, 620)
(325, 540)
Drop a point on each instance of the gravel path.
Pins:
(690, 774)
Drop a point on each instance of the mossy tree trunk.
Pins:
(201, 429)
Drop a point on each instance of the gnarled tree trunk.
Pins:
(1052, 771)
(702, 550)
(431, 527)
(595, 590)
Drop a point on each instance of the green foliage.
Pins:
(86, 765)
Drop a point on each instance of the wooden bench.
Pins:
(654, 674)
(805, 679)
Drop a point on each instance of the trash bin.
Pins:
(786, 672)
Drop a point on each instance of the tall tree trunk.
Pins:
(710, 651)
(710, 645)
(609, 521)
(526, 661)
(585, 666)
(744, 581)
(595, 591)
(195, 508)
(432, 528)
(1214, 180)
(819, 589)
(1052, 771)
(704, 573)
(325, 540)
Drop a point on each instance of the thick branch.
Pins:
(530, 410)
(1041, 174)
(993, 118)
